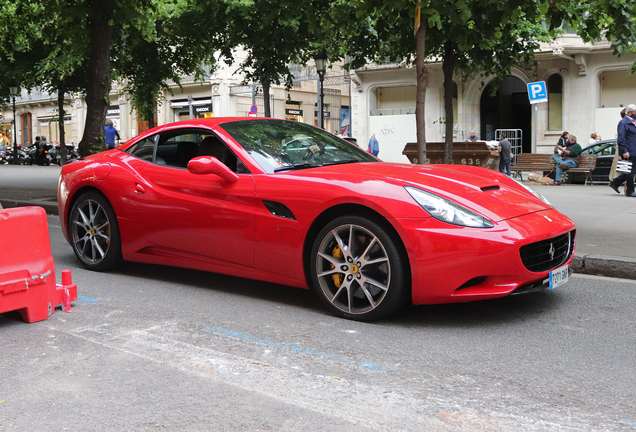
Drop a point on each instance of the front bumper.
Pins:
(457, 264)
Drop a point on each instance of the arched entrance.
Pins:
(509, 108)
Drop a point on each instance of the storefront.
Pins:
(50, 127)
(5, 135)
(113, 114)
(201, 108)
(293, 111)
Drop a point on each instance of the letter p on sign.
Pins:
(537, 92)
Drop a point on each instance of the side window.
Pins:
(601, 149)
(143, 149)
(176, 148)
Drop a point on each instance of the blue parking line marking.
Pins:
(276, 344)
(88, 300)
(629, 422)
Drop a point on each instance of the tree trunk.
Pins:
(60, 106)
(420, 98)
(448, 66)
(150, 117)
(267, 110)
(99, 77)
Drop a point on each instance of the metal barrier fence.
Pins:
(515, 136)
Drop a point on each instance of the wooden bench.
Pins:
(544, 162)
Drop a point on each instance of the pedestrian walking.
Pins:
(505, 155)
(627, 150)
(374, 146)
(613, 173)
(110, 133)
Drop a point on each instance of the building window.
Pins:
(555, 103)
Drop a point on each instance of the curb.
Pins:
(604, 265)
(48, 206)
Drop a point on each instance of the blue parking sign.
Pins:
(537, 92)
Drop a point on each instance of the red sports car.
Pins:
(288, 203)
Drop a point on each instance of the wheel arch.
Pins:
(78, 193)
(352, 210)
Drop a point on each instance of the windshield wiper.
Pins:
(340, 162)
(297, 166)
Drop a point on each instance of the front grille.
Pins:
(548, 254)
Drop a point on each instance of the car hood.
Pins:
(485, 191)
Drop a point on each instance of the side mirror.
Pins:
(211, 165)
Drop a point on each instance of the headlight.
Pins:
(532, 191)
(446, 210)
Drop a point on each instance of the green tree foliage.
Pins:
(177, 43)
(486, 35)
(273, 33)
(489, 36)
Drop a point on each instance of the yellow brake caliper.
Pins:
(337, 278)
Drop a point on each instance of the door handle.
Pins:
(139, 188)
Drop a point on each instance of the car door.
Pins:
(605, 156)
(192, 213)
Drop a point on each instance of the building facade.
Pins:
(587, 87)
(221, 94)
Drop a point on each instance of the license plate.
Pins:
(559, 276)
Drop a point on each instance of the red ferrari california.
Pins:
(288, 203)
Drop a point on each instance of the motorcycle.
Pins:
(53, 154)
(37, 157)
(10, 158)
(72, 153)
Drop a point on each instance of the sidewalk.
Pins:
(606, 243)
(605, 220)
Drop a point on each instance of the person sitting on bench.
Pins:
(569, 157)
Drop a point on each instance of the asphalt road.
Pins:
(157, 348)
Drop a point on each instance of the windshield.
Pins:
(279, 145)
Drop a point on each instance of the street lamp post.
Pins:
(321, 68)
(13, 91)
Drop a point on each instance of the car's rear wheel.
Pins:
(358, 270)
(94, 232)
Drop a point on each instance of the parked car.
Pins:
(351, 140)
(288, 203)
(605, 151)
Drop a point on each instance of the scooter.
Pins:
(10, 158)
(53, 154)
(72, 154)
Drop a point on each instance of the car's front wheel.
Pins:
(358, 270)
(94, 232)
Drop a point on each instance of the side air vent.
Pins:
(278, 209)
(489, 188)
(473, 282)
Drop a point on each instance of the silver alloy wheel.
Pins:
(91, 232)
(353, 269)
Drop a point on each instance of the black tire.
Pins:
(363, 280)
(94, 232)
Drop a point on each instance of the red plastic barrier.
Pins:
(27, 270)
